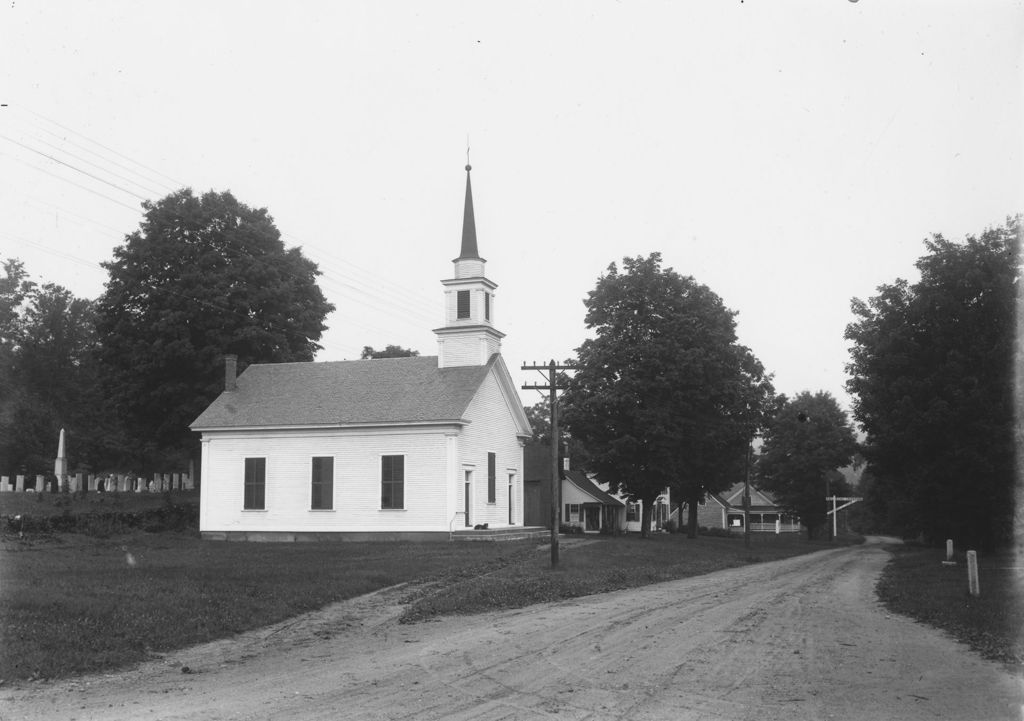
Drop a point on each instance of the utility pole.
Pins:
(552, 386)
(746, 497)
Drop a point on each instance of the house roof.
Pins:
(759, 500)
(580, 480)
(364, 392)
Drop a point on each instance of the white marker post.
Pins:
(972, 573)
(949, 553)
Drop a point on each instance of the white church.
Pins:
(397, 448)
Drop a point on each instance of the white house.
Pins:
(387, 448)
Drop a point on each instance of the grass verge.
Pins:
(915, 583)
(599, 565)
(76, 604)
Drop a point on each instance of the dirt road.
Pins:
(798, 639)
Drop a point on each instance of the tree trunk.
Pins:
(691, 523)
(645, 517)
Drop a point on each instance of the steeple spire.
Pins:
(469, 251)
(468, 336)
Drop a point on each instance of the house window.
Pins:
(462, 304)
(255, 484)
(392, 482)
(492, 491)
(632, 511)
(572, 512)
(487, 306)
(323, 483)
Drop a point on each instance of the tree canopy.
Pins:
(932, 378)
(201, 277)
(391, 351)
(48, 376)
(664, 395)
(805, 444)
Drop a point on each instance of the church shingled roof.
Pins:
(364, 392)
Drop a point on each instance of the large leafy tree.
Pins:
(49, 377)
(932, 377)
(805, 445)
(664, 396)
(201, 277)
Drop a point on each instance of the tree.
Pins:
(805, 445)
(49, 376)
(539, 415)
(932, 378)
(392, 351)
(200, 278)
(664, 396)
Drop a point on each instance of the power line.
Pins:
(67, 180)
(69, 165)
(98, 166)
(95, 142)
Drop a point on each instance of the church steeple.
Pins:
(468, 336)
(469, 251)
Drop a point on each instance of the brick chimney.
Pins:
(230, 372)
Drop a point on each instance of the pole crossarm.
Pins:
(850, 501)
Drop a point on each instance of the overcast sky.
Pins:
(789, 155)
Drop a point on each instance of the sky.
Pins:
(791, 156)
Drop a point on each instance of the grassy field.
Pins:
(75, 604)
(53, 504)
(916, 584)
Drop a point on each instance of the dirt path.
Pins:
(798, 639)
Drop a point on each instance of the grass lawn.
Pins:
(916, 584)
(75, 603)
(54, 504)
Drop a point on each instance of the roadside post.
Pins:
(972, 573)
(949, 553)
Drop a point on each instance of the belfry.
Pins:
(468, 337)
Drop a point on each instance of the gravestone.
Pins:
(186, 481)
(5, 482)
(41, 484)
(19, 483)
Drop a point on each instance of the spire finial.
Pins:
(468, 166)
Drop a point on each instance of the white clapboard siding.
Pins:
(491, 429)
(357, 480)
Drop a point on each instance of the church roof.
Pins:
(364, 392)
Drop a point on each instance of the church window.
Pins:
(487, 306)
(462, 306)
(392, 482)
(323, 483)
(254, 498)
(492, 491)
